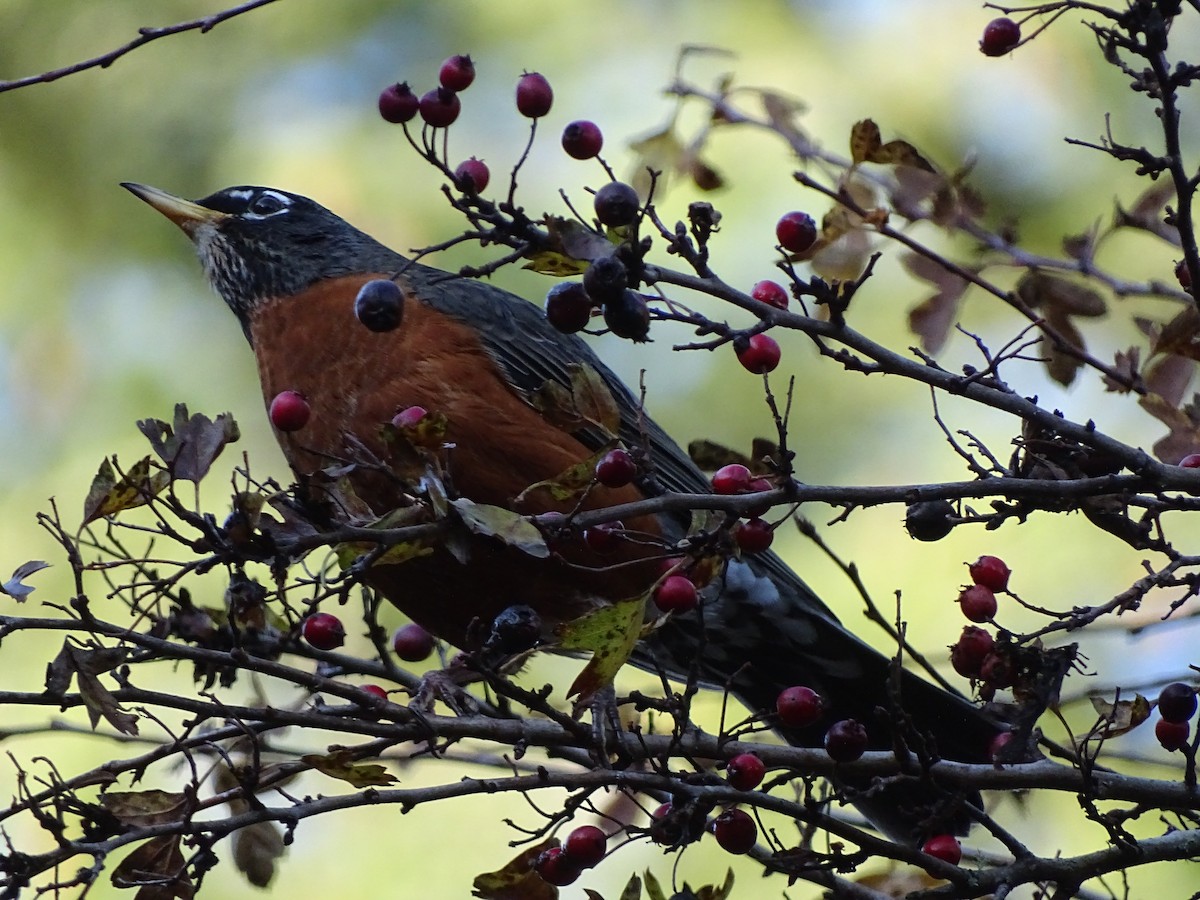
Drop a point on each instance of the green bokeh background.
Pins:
(104, 318)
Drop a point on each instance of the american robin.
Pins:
(291, 270)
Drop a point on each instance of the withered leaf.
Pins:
(14, 587)
(1169, 377)
(157, 868)
(147, 808)
(1120, 717)
(934, 317)
(256, 848)
(1039, 290)
(632, 889)
(108, 495)
(1126, 362)
(84, 664)
(866, 145)
(710, 456)
(1181, 335)
(508, 527)
(576, 241)
(554, 401)
(192, 443)
(340, 764)
(610, 632)
(660, 151)
(517, 880)
(593, 398)
(1147, 212)
(1061, 365)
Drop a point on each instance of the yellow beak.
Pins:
(187, 215)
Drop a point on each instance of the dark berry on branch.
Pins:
(472, 176)
(616, 468)
(568, 307)
(289, 411)
(735, 831)
(799, 706)
(796, 231)
(605, 279)
(412, 643)
(846, 740)
(990, 571)
(324, 631)
(398, 103)
(582, 139)
(628, 316)
(616, 204)
(758, 353)
(534, 96)
(999, 36)
(771, 293)
(929, 520)
(1177, 702)
(457, 73)
(439, 107)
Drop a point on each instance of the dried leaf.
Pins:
(14, 587)
(573, 239)
(554, 401)
(108, 496)
(660, 151)
(717, 892)
(84, 664)
(189, 447)
(593, 398)
(654, 890)
(1126, 362)
(340, 764)
(710, 456)
(1181, 335)
(517, 880)
(1120, 717)
(508, 527)
(256, 848)
(157, 867)
(144, 809)
(1169, 377)
(1147, 212)
(610, 632)
(1060, 365)
(933, 319)
(632, 889)
(1054, 294)
(866, 145)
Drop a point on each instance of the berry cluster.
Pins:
(583, 848)
(976, 654)
(1176, 706)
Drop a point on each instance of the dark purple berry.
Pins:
(1177, 702)
(398, 103)
(457, 73)
(745, 771)
(379, 305)
(582, 139)
(616, 204)
(845, 741)
(555, 867)
(799, 706)
(472, 176)
(796, 232)
(929, 520)
(585, 846)
(412, 643)
(999, 36)
(516, 629)
(735, 831)
(605, 279)
(534, 96)
(568, 307)
(628, 316)
(439, 107)
(324, 631)
(616, 469)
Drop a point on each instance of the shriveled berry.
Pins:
(1191, 461)
(289, 411)
(732, 479)
(585, 846)
(745, 771)
(997, 670)
(582, 139)
(929, 520)
(409, 416)
(457, 73)
(1183, 274)
(628, 316)
(398, 104)
(969, 651)
(796, 231)
(439, 107)
(758, 353)
(568, 307)
(735, 831)
(555, 867)
(374, 690)
(944, 847)
(846, 740)
(999, 36)
(605, 279)
(616, 468)
(472, 176)
(1177, 702)
(380, 305)
(324, 631)
(616, 204)
(516, 629)
(753, 535)
(771, 293)
(1172, 735)
(978, 603)
(412, 643)
(665, 828)
(676, 594)
(605, 537)
(534, 96)
(799, 706)
(991, 572)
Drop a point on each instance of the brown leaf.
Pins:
(157, 867)
(866, 145)
(559, 265)
(144, 809)
(14, 587)
(1147, 212)
(933, 319)
(256, 849)
(1120, 717)
(593, 398)
(1181, 335)
(710, 456)
(1060, 365)
(340, 764)
(108, 496)
(704, 176)
(189, 447)
(1126, 362)
(610, 632)
(864, 140)
(661, 151)
(517, 880)
(1169, 377)
(1054, 294)
(508, 527)
(84, 665)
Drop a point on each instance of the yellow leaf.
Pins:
(340, 764)
(610, 632)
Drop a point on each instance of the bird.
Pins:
(290, 270)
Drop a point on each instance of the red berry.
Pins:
(457, 73)
(616, 204)
(745, 771)
(991, 572)
(555, 867)
(1177, 702)
(997, 670)
(677, 594)
(472, 176)
(374, 690)
(968, 653)
(380, 305)
(409, 416)
(1183, 274)
(568, 307)
(604, 538)
(398, 103)
(846, 740)
(978, 603)
(735, 831)
(289, 411)
(758, 354)
(585, 846)
(1172, 735)
(616, 469)
(771, 293)
(582, 139)
(412, 643)
(439, 107)
(628, 316)
(1191, 461)
(799, 706)
(534, 95)
(999, 36)
(944, 847)
(796, 231)
(732, 479)
(753, 536)
(324, 631)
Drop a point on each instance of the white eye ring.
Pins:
(267, 203)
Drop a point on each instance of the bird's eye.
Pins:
(266, 204)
